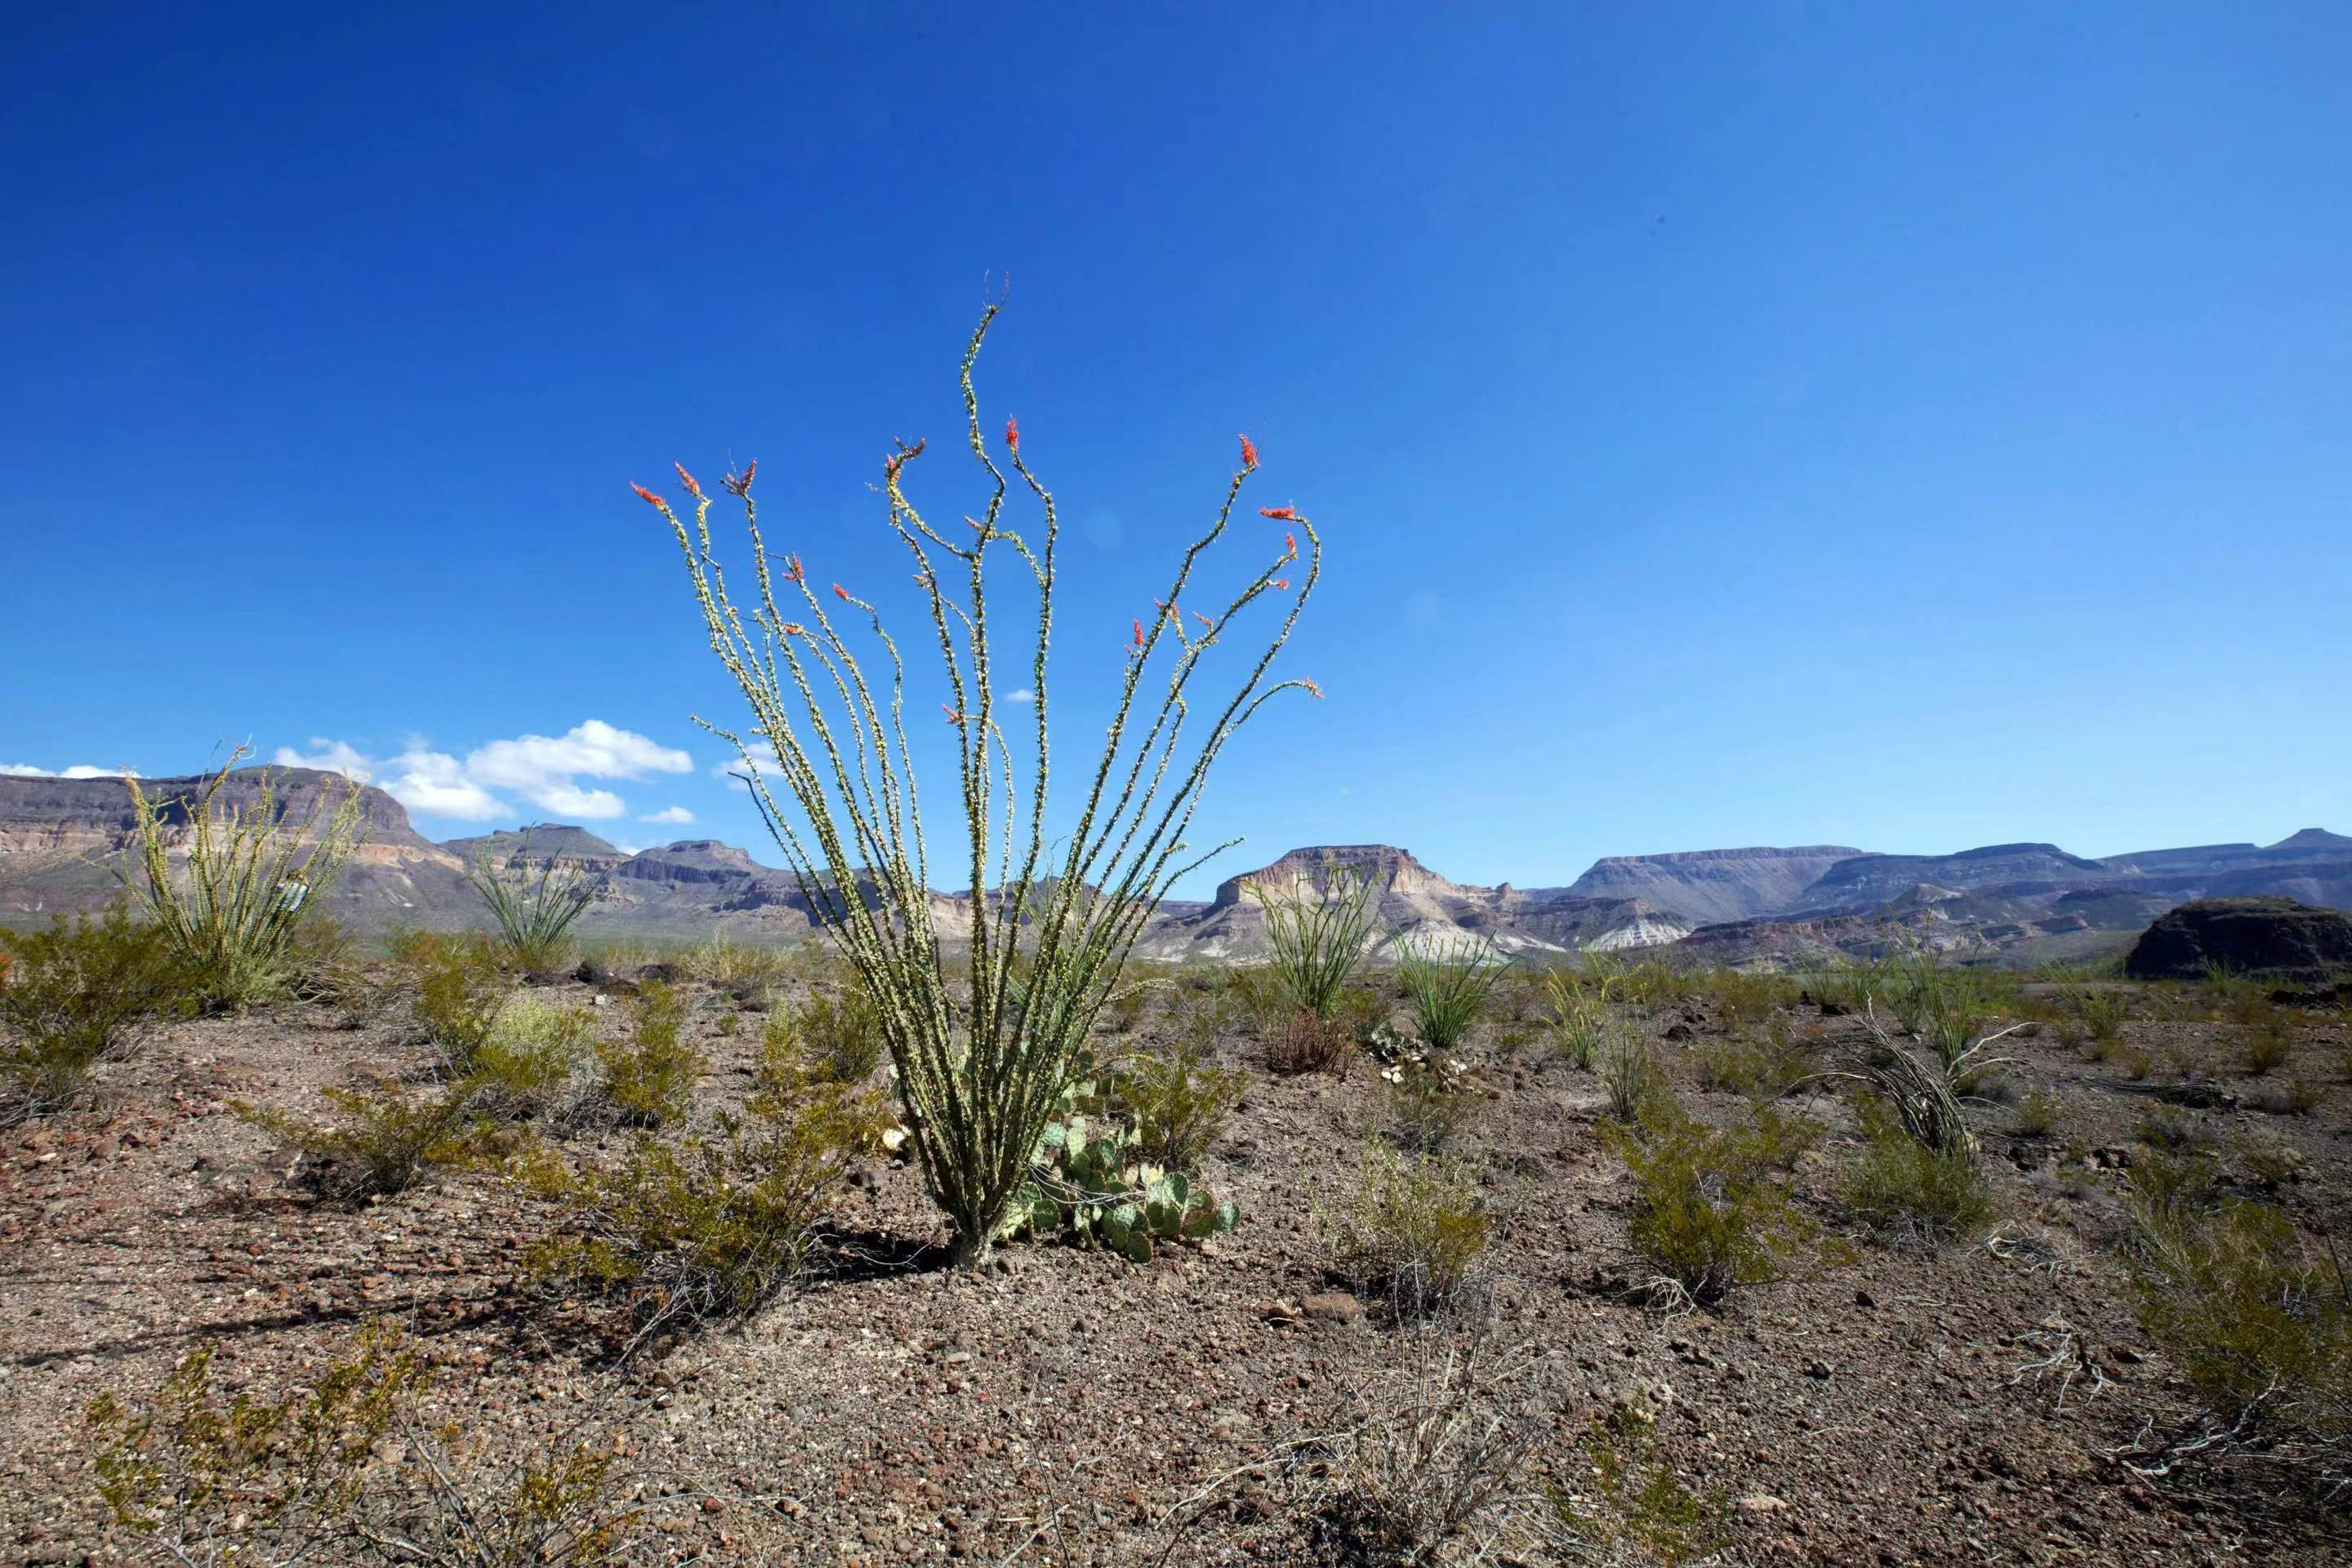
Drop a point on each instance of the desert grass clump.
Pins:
(342, 1470)
(78, 993)
(2100, 1010)
(2262, 1031)
(1178, 1098)
(984, 1050)
(1446, 987)
(1307, 1044)
(534, 908)
(1708, 1214)
(742, 969)
(1319, 934)
(1903, 1188)
(251, 876)
(1631, 1503)
(2035, 1115)
(1578, 1016)
(646, 1076)
(712, 1224)
(1412, 1230)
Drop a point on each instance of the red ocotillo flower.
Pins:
(793, 572)
(687, 480)
(1312, 690)
(1013, 436)
(953, 717)
(740, 484)
(1206, 624)
(1282, 582)
(1138, 633)
(647, 496)
(1279, 513)
(839, 591)
(1249, 453)
(792, 629)
(1290, 543)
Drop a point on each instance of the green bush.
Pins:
(742, 968)
(532, 1061)
(841, 1032)
(2100, 1009)
(78, 993)
(1627, 1062)
(1178, 1098)
(1708, 1214)
(1319, 940)
(1410, 1231)
(388, 1139)
(456, 989)
(647, 1077)
(1902, 1187)
(1630, 1499)
(712, 1224)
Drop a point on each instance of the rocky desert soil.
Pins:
(1883, 1404)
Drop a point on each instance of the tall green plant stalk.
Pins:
(1446, 984)
(252, 876)
(534, 913)
(1318, 942)
(983, 1049)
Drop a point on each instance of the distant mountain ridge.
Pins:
(62, 842)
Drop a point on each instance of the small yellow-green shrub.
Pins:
(1412, 1230)
(1708, 1214)
(80, 993)
(646, 1076)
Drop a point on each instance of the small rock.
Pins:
(1336, 1306)
(1761, 1503)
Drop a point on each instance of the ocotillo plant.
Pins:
(1318, 943)
(983, 1049)
(534, 913)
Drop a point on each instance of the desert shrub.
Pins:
(1652, 983)
(2271, 1164)
(710, 1226)
(1360, 1009)
(1777, 1139)
(2259, 1324)
(1902, 1187)
(455, 990)
(982, 1063)
(1308, 1044)
(1428, 1101)
(534, 910)
(324, 965)
(2176, 1131)
(1745, 999)
(250, 879)
(74, 995)
(1627, 1061)
(1318, 941)
(1630, 1503)
(841, 1033)
(1779, 1064)
(1446, 984)
(1410, 1230)
(532, 1060)
(2035, 1114)
(2263, 1033)
(1178, 1100)
(646, 1076)
(1255, 994)
(740, 968)
(341, 1470)
(1708, 1214)
(1579, 1015)
(388, 1138)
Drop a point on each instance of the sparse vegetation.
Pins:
(388, 1139)
(646, 1076)
(339, 1471)
(841, 1033)
(1446, 987)
(455, 990)
(1707, 1216)
(250, 879)
(1903, 1187)
(78, 993)
(1628, 1065)
(1318, 936)
(1178, 1098)
(533, 1061)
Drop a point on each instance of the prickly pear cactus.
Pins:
(1088, 1184)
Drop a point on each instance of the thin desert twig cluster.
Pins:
(984, 1050)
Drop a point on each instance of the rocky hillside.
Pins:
(1707, 885)
(62, 842)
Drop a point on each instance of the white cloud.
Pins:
(677, 814)
(543, 770)
(764, 760)
(328, 756)
(78, 771)
(435, 783)
(1023, 695)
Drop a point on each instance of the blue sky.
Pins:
(1905, 427)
